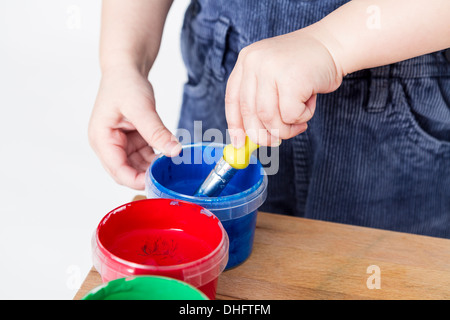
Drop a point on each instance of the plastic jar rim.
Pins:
(191, 269)
(252, 197)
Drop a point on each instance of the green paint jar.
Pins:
(145, 288)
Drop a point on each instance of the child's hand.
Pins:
(124, 127)
(271, 93)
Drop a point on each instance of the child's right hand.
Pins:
(125, 127)
(271, 92)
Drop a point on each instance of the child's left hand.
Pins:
(271, 92)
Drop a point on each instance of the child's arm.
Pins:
(124, 126)
(364, 34)
(131, 33)
(272, 90)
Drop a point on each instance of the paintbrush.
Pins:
(231, 162)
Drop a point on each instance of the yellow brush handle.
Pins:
(239, 158)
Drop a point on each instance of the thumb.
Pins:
(152, 129)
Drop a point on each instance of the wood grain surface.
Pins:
(296, 258)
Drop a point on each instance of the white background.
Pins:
(53, 189)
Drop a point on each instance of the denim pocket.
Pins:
(194, 50)
(424, 107)
(204, 45)
(205, 48)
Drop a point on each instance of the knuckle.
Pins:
(249, 55)
(285, 132)
(246, 109)
(290, 117)
(233, 124)
(308, 114)
(265, 114)
(297, 129)
(158, 133)
(253, 134)
(305, 116)
(244, 51)
(229, 99)
(291, 114)
(280, 131)
(302, 119)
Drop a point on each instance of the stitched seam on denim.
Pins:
(414, 132)
(206, 33)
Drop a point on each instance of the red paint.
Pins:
(162, 237)
(155, 247)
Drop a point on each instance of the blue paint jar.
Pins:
(236, 207)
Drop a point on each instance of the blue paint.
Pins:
(179, 178)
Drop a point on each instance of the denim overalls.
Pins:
(377, 150)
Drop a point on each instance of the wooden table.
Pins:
(296, 258)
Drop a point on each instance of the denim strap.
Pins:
(378, 89)
(221, 29)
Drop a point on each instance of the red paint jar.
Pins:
(163, 237)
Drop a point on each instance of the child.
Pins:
(369, 79)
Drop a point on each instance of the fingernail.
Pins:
(172, 148)
(238, 141)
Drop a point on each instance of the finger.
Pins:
(293, 109)
(114, 158)
(296, 129)
(311, 106)
(151, 128)
(140, 154)
(232, 110)
(138, 161)
(138, 144)
(254, 128)
(268, 112)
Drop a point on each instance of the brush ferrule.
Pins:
(217, 180)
